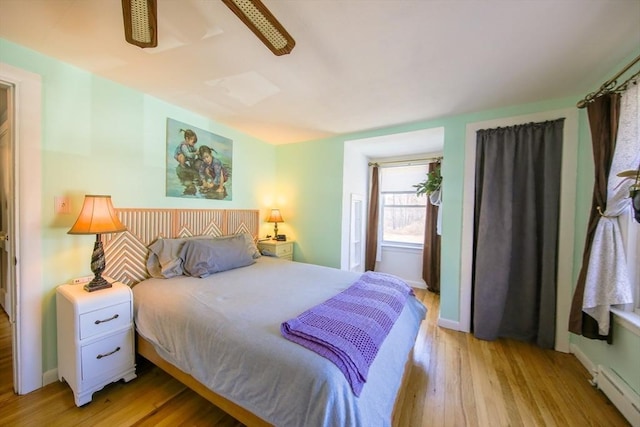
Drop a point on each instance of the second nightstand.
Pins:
(282, 250)
(95, 338)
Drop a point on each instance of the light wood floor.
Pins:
(456, 380)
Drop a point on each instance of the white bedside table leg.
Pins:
(130, 376)
(83, 399)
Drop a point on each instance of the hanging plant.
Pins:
(634, 190)
(431, 184)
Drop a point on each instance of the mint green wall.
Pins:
(309, 176)
(99, 137)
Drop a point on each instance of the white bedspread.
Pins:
(224, 330)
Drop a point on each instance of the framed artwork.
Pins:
(199, 163)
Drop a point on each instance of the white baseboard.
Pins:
(49, 377)
(416, 284)
(586, 362)
(449, 324)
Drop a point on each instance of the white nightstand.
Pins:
(95, 338)
(282, 250)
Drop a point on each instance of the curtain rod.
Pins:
(610, 85)
(409, 161)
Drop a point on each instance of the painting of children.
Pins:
(198, 163)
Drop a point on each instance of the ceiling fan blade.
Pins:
(261, 21)
(140, 22)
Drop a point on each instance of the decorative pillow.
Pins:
(164, 261)
(205, 257)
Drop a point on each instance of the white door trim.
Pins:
(357, 233)
(27, 330)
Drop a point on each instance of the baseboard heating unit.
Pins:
(620, 394)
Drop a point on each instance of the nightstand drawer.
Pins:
(105, 319)
(284, 250)
(107, 355)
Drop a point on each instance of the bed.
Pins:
(221, 334)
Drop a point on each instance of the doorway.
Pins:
(7, 221)
(567, 209)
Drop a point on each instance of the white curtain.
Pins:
(436, 199)
(607, 282)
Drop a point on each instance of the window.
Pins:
(403, 217)
(402, 213)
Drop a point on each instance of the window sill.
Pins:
(408, 246)
(627, 319)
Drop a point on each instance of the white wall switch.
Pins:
(62, 205)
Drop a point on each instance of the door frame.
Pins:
(357, 233)
(566, 229)
(27, 238)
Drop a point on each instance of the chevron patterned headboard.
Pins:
(126, 253)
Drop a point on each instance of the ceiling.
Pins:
(357, 65)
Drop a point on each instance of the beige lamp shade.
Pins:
(275, 216)
(96, 217)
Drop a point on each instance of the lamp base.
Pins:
(96, 284)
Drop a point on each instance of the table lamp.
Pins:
(275, 217)
(97, 217)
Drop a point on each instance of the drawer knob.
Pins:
(100, 356)
(97, 322)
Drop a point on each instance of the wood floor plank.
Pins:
(455, 380)
(188, 405)
(466, 412)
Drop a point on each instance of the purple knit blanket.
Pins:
(349, 328)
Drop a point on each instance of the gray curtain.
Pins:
(516, 232)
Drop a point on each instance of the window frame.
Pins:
(631, 234)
